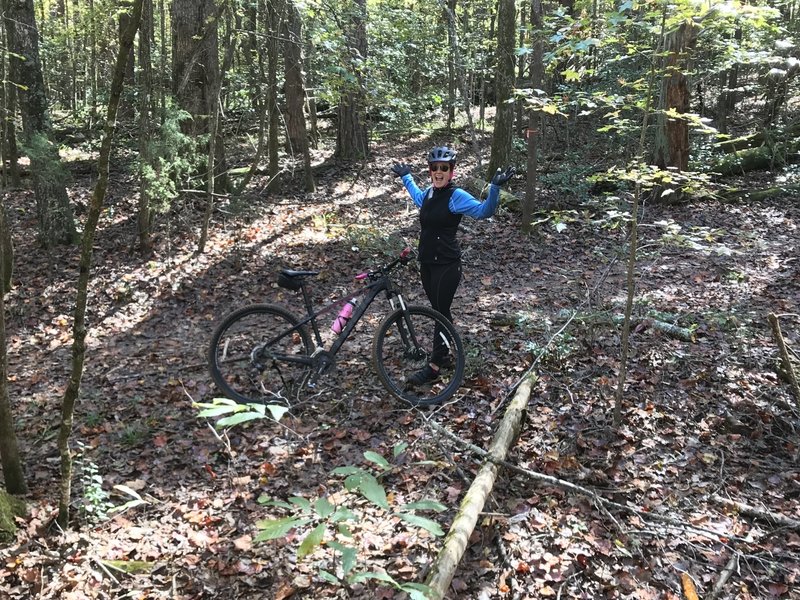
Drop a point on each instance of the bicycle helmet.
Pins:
(442, 154)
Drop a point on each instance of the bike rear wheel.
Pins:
(247, 368)
(404, 344)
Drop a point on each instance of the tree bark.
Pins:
(672, 130)
(504, 82)
(9, 451)
(295, 91)
(196, 73)
(56, 221)
(534, 117)
(79, 321)
(352, 132)
(147, 111)
(274, 18)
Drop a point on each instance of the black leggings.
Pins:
(440, 283)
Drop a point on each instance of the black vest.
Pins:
(437, 239)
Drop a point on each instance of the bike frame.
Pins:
(371, 291)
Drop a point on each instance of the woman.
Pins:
(440, 209)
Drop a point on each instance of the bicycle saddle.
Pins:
(293, 273)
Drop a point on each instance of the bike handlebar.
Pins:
(404, 258)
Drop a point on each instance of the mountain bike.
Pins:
(263, 353)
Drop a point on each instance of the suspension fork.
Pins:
(404, 326)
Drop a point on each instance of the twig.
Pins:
(724, 576)
(676, 523)
(787, 362)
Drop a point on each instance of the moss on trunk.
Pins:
(10, 507)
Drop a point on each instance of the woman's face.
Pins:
(441, 173)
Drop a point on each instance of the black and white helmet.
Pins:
(442, 154)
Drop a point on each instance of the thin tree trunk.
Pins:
(146, 114)
(534, 118)
(13, 473)
(633, 243)
(72, 392)
(274, 13)
(455, 51)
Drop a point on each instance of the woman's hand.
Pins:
(401, 169)
(503, 176)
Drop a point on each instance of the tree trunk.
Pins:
(79, 324)
(56, 222)
(196, 73)
(274, 18)
(9, 452)
(146, 116)
(295, 91)
(534, 117)
(449, 10)
(126, 104)
(504, 81)
(352, 132)
(672, 130)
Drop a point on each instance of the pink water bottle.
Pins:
(344, 316)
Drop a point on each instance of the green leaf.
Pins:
(267, 501)
(378, 576)
(216, 411)
(275, 528)
(277, 411)
(323, 507)
(342, 514)
(377, 459)
(346, 470)
(353, 482)
(399, 448)
(238, 418)
(348, 556)
(301, 502)
(131, 567)
(373, 491)
(329, 577)
(426, 524)
(425, 505)
(311, 541)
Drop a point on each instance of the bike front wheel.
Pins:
(406, 342)
(253, 352)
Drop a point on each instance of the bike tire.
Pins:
(396, 357)
(265, 380)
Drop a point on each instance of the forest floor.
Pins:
(704, 418)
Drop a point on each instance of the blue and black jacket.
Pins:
(440, 212)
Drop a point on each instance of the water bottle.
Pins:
(344, 316)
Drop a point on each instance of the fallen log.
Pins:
(479, 188)
(756, 159)
(757, 513)
(759, 138)
(771, 193)
(455, 543)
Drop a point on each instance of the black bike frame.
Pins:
(371, 291)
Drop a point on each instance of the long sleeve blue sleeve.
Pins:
(464, 203)
(417, 195)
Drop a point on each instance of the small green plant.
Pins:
(94, 500)
(334, 526)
